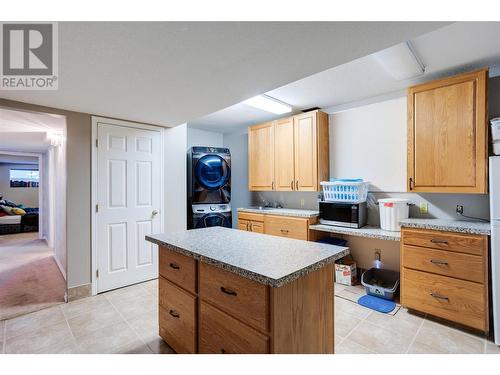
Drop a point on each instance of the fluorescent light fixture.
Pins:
(268, 104)
(400, 61)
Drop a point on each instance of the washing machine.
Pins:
(209, 175)
(211, 215)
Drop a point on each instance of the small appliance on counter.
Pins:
(344, 203)
(495, 135)
(349, 215)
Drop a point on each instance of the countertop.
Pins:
(266, 259)
(280, 211)
(459, 226)
(366, 231)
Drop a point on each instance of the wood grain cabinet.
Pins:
(251, 222)
(227, 313)
(261, 157)
(447, 135)
(299, 153)
(446, 275)
(283, 226)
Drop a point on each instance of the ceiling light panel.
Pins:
(268, 104)
(400, 61)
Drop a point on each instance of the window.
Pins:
(24, 178)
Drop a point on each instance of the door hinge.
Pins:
(96, 142)
(96, 208)
(96, 274)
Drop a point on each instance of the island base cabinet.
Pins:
(220, 333)
(177, 315)
(229, 313)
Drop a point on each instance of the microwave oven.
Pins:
(350, 215)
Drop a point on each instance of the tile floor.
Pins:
(121, 321)
(125, 321)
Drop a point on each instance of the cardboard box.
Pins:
(346, 272)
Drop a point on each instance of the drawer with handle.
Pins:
(460, 243)
(220, 333)
(177, 315)
(447, 263)
(178, 268)
(448, 298)
(292, 227)
(243, 298)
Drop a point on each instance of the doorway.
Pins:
(32, 211)
(127, 193)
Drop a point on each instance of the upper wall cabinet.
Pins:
(299, 154)
(261, 157)
(447, 135)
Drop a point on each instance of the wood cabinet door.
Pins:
(284, 171)
(305, 152)
(261, 157)
(243, 224)
(257, 227)
(447, 135)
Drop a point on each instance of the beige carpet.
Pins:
(29, 277)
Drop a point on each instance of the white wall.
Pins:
(27, 196)
(240, 196)
(198, 137)
(59, 206)
(370, 142)
(175, 143)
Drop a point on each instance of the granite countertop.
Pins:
(266, 259)
(449, 225)
(280, 211)
(366, 231)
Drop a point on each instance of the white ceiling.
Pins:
(448, 50)
(170, 72)
(24, 131)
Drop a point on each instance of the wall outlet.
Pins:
(460, 209)
(424, 207)
(302, 202)
(378, 255)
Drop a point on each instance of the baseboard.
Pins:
(61, 268)
(78, 292)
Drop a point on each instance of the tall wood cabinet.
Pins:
(447, 135)
(261, 157)
(289, 154)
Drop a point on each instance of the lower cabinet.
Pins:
(221, 333)
(228, 313)
(446, 275)
(276, 225)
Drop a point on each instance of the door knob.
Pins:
(154, 213)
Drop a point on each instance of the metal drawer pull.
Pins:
(292, 185)
(284, 230)
(437, 296)
(174, 313)
(438, 241)
(228, 291)
(440, 262)
(174, 266)
(297, 185)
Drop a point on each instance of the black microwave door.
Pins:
(338, 212)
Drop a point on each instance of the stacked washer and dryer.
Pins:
(209, 187)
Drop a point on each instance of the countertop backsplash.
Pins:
(440, 206)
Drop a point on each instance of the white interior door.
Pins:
(128, 199)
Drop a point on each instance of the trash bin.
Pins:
(380, 283)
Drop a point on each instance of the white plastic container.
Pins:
(392, 211)
(495, 129)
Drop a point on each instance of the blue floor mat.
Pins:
(377, 304)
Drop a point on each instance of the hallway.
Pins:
(30, 279)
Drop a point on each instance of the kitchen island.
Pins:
(230, 291)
